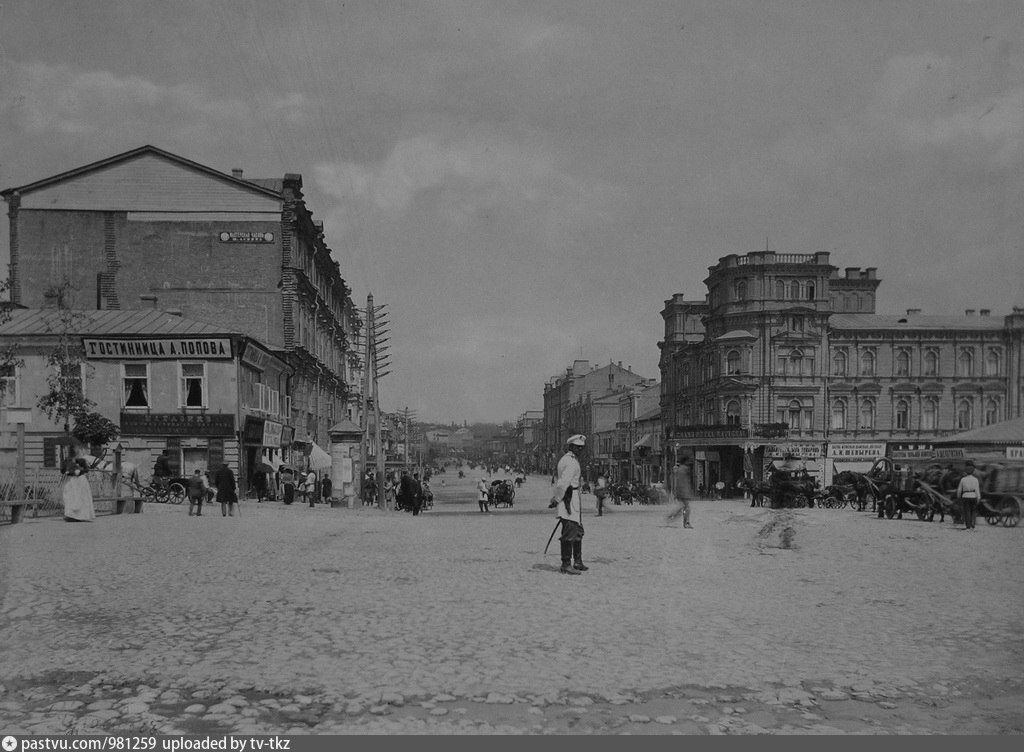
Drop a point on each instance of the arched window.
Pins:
(839, 415)
(964, 415)
(686, 374)
(930, 414)
(810, 291)
(903, 363)
(867, 414)
(794, 412)
(902, 415)
(741, 290)
(931, 363)
(965, 363)
(794, 290)
(860, 303)
(780, 290)
(867, 363)
(840, 363)
(732, 412)
(991, 412)
(796, 359)
(992, 363)
(732, 362)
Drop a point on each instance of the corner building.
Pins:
(787, 355)
(148, 229)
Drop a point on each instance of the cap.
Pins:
(577, 439)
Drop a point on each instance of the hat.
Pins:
(969, 463)
(577, 439)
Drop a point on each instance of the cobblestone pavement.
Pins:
(319, 621)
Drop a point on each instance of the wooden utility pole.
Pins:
(365, 412)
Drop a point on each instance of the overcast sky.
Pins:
(526, 183)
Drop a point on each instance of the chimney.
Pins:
(236, 172)
(985, 311)
(913, 311)
(969, 312)
(148, 301)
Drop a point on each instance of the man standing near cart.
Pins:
(969, 493)
(566, 499)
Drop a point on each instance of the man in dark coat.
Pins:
(227, 493)
(407, 491)
(417, 494)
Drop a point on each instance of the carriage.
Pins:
(501, 493)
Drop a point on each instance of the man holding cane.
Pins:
(566, 499)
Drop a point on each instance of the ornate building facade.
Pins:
(787, 355)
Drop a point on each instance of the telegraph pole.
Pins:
(365, 412)
(375, 360)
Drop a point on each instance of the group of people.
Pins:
(308, 485)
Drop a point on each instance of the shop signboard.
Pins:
(287, 435)
(177, 424)
(272, 434)
(803, 451)
(856, 450)
(1015, 453)
(124, 348)
(949, 453)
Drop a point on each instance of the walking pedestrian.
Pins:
(76, 495)
(326, 488)
(227, 490)
(288, 484)
(600, 492)
(162, 470)
(417, 494)
(682, 490)
(260, 483)
(969, 493)
(309, 487)
(566, 500)
(482, 495)
(197, 488)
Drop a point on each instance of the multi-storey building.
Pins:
(147, 228)
(565, 414)
(787, 355)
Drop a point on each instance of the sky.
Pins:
(524, 184)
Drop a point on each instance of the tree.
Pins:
(94, 429)
(65, 398)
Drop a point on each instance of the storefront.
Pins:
(263, 443)
(853, 456)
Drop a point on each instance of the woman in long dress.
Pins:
(75, 491)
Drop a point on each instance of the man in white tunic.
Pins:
(566, 499)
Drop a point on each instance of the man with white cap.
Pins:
(566, 499)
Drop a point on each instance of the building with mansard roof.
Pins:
(148, 228)
(787, 354)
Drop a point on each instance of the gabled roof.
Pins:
(913, 321)
(1005, 432)
(28, 322)
(252, 185)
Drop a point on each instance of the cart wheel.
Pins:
(993, 519)
(176, 493)
(831, 502)
(1011, 511)
(800, 501)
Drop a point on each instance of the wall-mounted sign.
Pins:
(856, 450)
(204, 348)
(1015, 453)
(272, 434)
(287, 435)
(803, 451)
(949, 453)
(246, 237)
(177, 424)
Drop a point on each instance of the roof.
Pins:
(736, 334)
(913, 321)
(1005, 432)
(650, 414)
(253, 185)
(151, 323)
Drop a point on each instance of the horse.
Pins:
(757, 489)
(129, 471)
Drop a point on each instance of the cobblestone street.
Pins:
(289, 619)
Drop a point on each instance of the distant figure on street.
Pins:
(227, 490)
(566, 500)
(76, 495)
(406, 491)
(288, 484)
(417, 494)
(483, 497)
(260, 483)
(197, 488)
(326, 488)
(682, 491)
(309, 487)
(162, 470)
(969, 493)
(600, 493)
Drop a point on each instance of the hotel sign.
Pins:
(205, 348)
(178, 424)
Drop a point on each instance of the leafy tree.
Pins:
(64, 398)
(93, 429)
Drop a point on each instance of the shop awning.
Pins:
(645, 441)
(318, 458)
(856, 466)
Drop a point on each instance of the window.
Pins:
(860, 303)
(797, 324)
(991, 412)
(867, 363)
(839, 364)
(867, 414)
(732, 362)
(839, 415)
(930, 414)
(9, 396)
(965, 363)
(903, 363)
(992, 363)
(902, 415)
(795, 414)
(810, 291)
(931, 363)
(964, 414)
(732, 413)
(741, 290)
(193, 385)
(135, 381)
(794, 290)
(780, 290)
(796, 361)
(846, 302)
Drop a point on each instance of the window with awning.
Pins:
(645, 441)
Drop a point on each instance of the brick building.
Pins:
(147, 229)
(787, 355)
